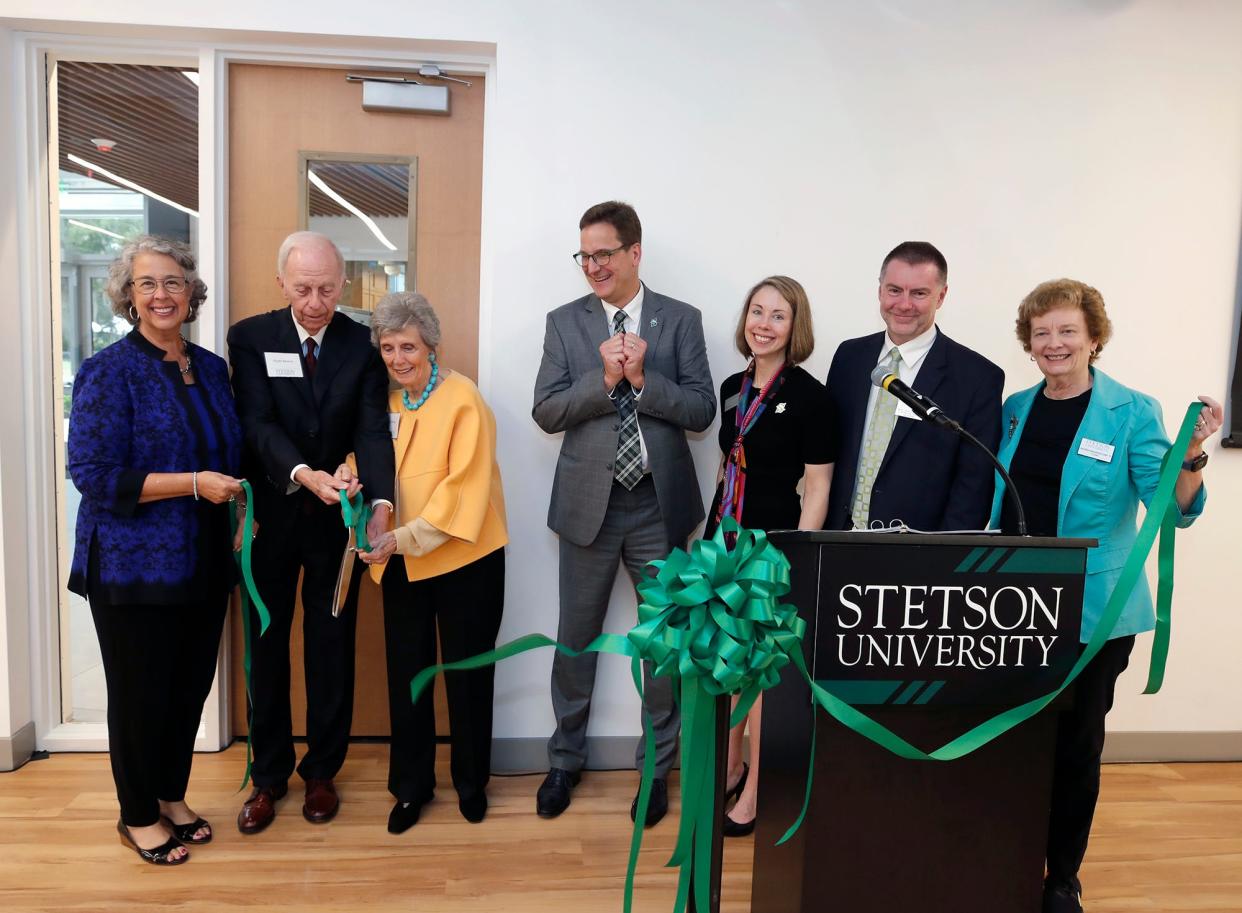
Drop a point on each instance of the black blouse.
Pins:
(798, 426)
(1036, 467)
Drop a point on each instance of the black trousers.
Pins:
(158, 662)
(1076, 776)
(313, 547)
(466, 605)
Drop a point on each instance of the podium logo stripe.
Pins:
(969, 560)
(931, 691)
(1045, 561)
(911, 690)
(860, 692)
(988, 562)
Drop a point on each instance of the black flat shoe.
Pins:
(732, 828)
(157, 856)
(473, 809)
(185, 832)
(657, 803)
(739, 785)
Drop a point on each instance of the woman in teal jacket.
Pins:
(1083, 450)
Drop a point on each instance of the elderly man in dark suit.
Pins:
(624, 375)
(310, 388)
(892, 465)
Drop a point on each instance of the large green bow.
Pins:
(712, 619)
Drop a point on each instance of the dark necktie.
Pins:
(628, 469)
(311, 361)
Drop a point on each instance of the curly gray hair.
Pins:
(121, 274)
(398, 310)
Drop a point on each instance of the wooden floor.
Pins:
(1167, 838)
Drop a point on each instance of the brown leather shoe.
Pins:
(260, 809)
(321, 801)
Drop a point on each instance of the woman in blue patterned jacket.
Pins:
(154, 442)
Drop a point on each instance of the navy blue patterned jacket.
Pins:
(131, 417)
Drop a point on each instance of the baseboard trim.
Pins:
(1155, 747)
(530, 755)
(16, 750)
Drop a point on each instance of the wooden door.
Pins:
(275, 113)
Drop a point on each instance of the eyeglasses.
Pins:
(174, 285)
(599, 258)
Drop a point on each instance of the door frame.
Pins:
(33, 554)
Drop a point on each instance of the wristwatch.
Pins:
(1197, 463)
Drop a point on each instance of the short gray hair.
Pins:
(398, 310)
(305, 239)
(121, 274)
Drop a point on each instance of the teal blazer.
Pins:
(1099, 500)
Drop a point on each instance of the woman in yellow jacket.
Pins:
(450, 536)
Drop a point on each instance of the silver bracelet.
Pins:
(194, 482)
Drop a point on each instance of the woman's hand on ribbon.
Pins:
(216, 487)
(382, 548)
(1210, 419)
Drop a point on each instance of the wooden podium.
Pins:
(928, 634)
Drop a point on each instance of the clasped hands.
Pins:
(622, 355)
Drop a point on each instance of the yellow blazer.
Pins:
(448, 477)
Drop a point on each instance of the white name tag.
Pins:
(1096, 450)
(394, 423)
(283, 364)
(904, 411)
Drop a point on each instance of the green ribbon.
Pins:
(249, 595)
(356, 515)
(712, 619)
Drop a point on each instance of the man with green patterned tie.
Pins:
(624, 375)
(893, 466)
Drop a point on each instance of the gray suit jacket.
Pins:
(570, 397)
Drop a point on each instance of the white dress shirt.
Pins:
(633, 314)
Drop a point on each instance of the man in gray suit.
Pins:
(624, 375)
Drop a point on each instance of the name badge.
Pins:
(1096, 450)
(283, 364)
(904, 411)
(731, 402)
(394, 424)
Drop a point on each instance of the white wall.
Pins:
(1098, 139)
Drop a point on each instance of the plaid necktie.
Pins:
(628, 468)
(311, 361)
(883, 418)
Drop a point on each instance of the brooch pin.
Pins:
(1013, 425)
(780, 407)
(654, 321)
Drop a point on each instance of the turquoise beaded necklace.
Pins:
(431, 385)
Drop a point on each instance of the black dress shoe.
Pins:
(553, 795)
(657, 804)
(731, 828)
(473, 809)
(1061, 898)
(404, 815)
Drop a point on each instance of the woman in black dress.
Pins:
(776, 429)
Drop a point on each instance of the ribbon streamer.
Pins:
(249, 595)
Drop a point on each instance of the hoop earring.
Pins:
(133, 314)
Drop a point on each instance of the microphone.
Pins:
(921, 405)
